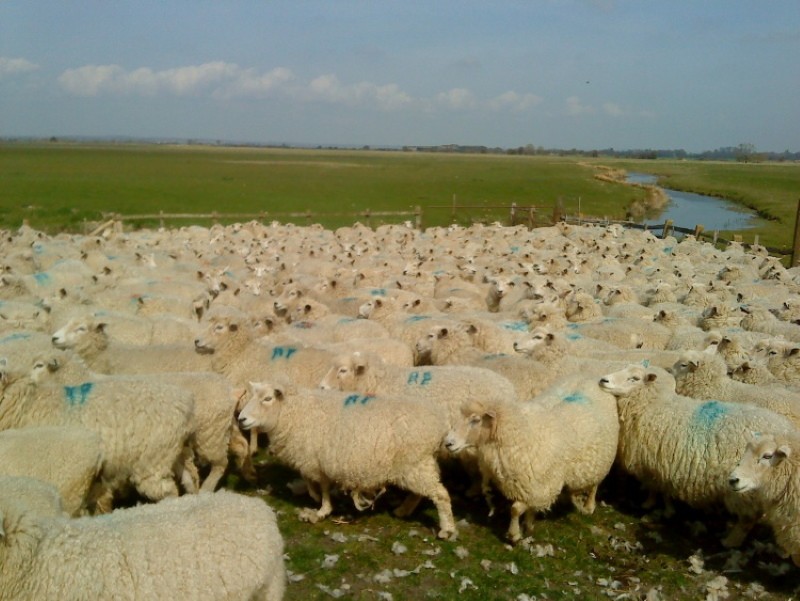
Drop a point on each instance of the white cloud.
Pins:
(222, 80)
(512, 100)
(92, 80)
(14, 66)
(613, 109)
(457, 98)
(576, 108)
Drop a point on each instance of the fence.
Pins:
(511, 214)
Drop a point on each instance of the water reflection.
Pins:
(687, 210)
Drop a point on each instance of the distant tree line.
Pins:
(745, 153)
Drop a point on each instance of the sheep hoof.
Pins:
(447, 534)
(309, 515)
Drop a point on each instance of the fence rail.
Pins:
(530, 216)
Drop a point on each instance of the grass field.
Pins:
(57, 186)
(621, 552)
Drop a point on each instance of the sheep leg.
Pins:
(425, 481)
(309, 515)
(214, 476)
(408, 506)
(157, 487)
(100, 498)
(518, 508)
(486, 489)
(239, 447)
(738, 533)
(588, 503)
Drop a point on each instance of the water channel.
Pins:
(687, 210)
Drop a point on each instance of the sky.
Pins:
(586, 74)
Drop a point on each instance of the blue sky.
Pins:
(692, 74)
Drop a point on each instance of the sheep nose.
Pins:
(733, 482)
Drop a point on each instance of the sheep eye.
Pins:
(767, 456)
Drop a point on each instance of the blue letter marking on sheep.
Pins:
(355, 399)
(575, 397)
(283, 352)
(414, 378)
(77, 396)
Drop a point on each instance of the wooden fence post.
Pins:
(667, 228)
(531, 218)
(796, 245)
(418, 217)
(513, 214)
(698, 231)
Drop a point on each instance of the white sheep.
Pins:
(532, 451)
(448, 385)
(37, 496)
(88, 338)
(145, 428)
(360, 442)
(760, 319)
(68, 457)
(219, 545)
(705, 376)
(685, 447)
(769, 470)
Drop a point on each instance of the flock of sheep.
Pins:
(144, 365)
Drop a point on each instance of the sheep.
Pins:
(145, 428)
(39, 497)
(760, 319)
(769, 471)
(783, 360)
(685, 447)
(626, 332)
(68, 457)
(90, 340)
(447, 385)
(219, 545)
(705, 376)
(360, 442)
(530, 451)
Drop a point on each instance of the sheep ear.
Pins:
(781, 453)
(442, 333)
(693, 365)
(233, 327)
(101, 327)
(490, 417)
(471, 329)
(650, 377)
(278, 394)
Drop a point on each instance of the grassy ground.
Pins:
(55, 185)
(620, 552)
(58, 186)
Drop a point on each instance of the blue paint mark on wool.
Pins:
(419, 377)
(76, 396)
(709, 412)
(516, 326)
(346, 320)
(357, 399)
(575, 397)
(515, 249)
(42, 278)
(573, 326)
(573, 337)
(15, 336)
(283, 352)
(303, 325)
(378, 292)
(668, 250)
(415, 318)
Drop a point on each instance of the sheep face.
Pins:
(476, 427)
(345, 373)
(218, 331)
(72, 333)
(626, 381)
(761, 455)
(262, 406)
(688, 363)
(534, 342)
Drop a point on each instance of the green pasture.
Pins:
(57, 186)
(60, 186)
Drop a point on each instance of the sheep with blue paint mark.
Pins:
(684, 447)
(68, 457)
(219, 545)
(702, 375)
(448, 386)
(360, 442)
(145, 427)
(531, 451)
